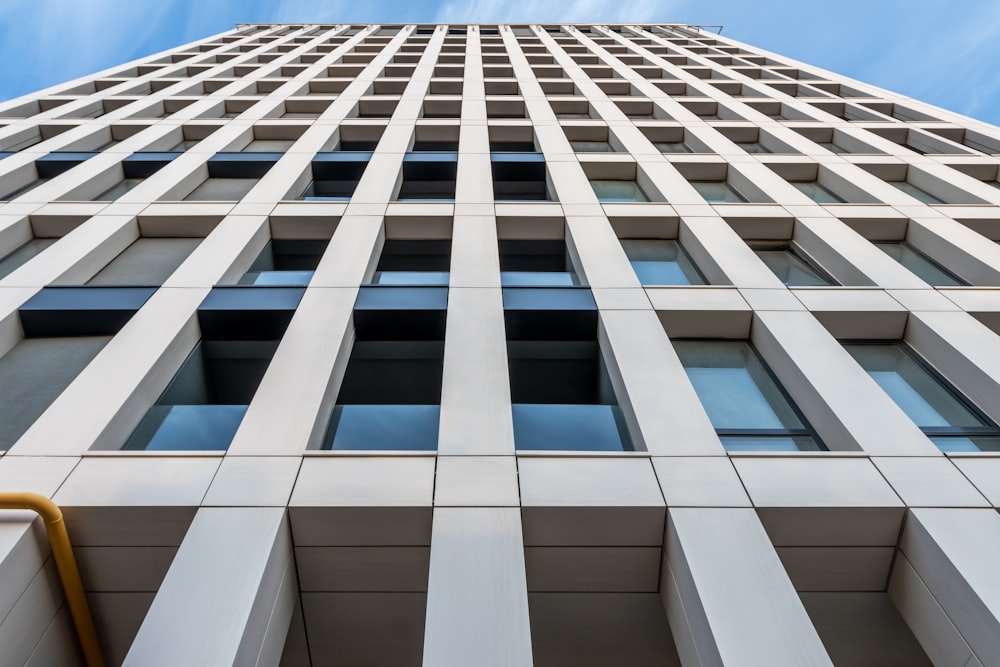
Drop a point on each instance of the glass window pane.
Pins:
(967, 444)
(187, 427)
(718, 192)
(277, 278)
(919, 393)
(538, 279)
(661, 262)
(916, 192)
(20, 257)
(410, 278)
(817, 192)
(770, 443)
(921, 266)
(618, 191)
(569, 427)
(830, 146)
(591, 146)
(673, 147)
(754, 147)
(734, 387)
(789, 268)
(379, 427)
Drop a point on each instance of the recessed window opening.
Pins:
(414, 262)
(287, 262)
(920, 264)
(748, 408)
(536, 263)
(661, 262)
(950, 420)
(788, 265)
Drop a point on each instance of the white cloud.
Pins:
(554, 11)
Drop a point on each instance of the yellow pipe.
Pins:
(62, 552)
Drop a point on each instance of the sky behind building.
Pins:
(945, 53)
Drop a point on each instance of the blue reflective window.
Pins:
(926, 398)
(203, 406)
(661, 262)
(410, 278)
(570, 427)
(189, 427)
(538, 279)
(384, 427)
(389, 398)
(744, 402)
(413, 262)
(562, 397)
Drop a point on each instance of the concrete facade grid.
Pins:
(677, 551)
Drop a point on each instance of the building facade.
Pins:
(479, 345)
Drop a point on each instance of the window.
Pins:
(117, 190)
(916, 193)
(818, 193)
(561, 395)
(390, 397)
(413, 262)
(222, 189)
(535, 263)
(943, 414)
(661, 262)
(919, 264)
(202, 407)
(618, 191)
(673, 147)
(788, 266)
(753, 147)
(833, 148)
(19, 257)
(748, 409)
(429, 176)
(14, 194)
(718, 192)
(591, 146)
(204, 404)
(285, 262)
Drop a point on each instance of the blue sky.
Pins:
(946, 53)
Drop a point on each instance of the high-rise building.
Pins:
(497, 346)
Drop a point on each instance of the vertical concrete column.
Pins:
(477, 599)
(228, 596)
(656, 394)
(475, 393)
(951, 553)
(728, 598)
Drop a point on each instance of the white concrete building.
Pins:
(497, 346)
